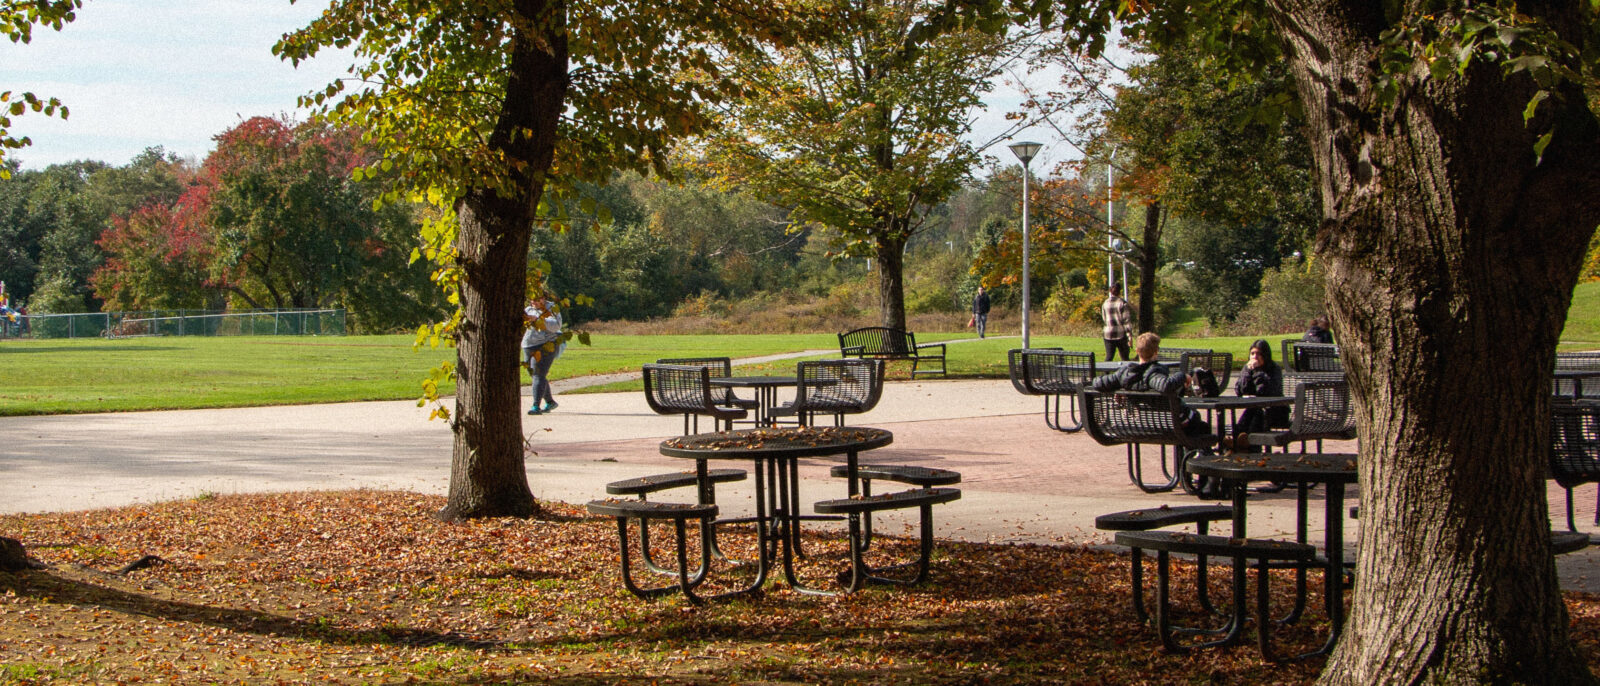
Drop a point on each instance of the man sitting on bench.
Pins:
(1151, 375)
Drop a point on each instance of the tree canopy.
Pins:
(861, 128)
(17, 21)
(481, 107)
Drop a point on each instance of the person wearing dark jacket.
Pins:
(1145, 375)
(1260, 377)
(980, 311)
(1149, 375)
(1318, 332)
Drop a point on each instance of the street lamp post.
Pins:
(1025, 151)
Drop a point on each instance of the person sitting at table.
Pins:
(1150, 375)
(1318, 331)
(1260, 377)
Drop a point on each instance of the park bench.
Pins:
(1322, 410)
(926, 477)
(884, 343)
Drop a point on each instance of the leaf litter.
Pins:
(362, 587)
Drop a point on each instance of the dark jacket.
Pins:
(1143, 376)
(1317, 334)
(1265, 381)
(980, 303)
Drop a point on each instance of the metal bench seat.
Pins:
(1055, 374)
(1137, 418)
(863, 506)
(678, 514)
(1263, 551)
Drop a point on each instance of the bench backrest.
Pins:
(718, 366)
(1300, 356)
(678, 388)
(1219, 364)
(1574, 444)
(878, 340)
(1048, 371)
(1322, 409)
(838, 386)
(1134, 417)
(1578, 362)
(1173, 357)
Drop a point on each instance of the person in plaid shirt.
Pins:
(1119, 323)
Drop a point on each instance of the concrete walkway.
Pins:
(1022, 481)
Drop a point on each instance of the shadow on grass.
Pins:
(49, 587)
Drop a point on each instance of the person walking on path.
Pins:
(980, 311)
(1118, 323)
(541, 345)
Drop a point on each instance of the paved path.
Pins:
(1022, 481)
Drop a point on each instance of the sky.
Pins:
(175, 73)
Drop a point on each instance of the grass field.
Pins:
(99, 375)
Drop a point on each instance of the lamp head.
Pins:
(1025, 150)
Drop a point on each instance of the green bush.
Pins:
(1290, 296)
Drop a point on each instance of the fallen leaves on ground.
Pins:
(368, 587)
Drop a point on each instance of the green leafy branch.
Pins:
(1447, 44)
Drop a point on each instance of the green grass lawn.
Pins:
(65, 376)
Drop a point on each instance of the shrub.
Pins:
(1290, 296)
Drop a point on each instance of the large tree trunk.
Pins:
(1148, 259)
(488, 476)
(891, 279)
(1452, 254)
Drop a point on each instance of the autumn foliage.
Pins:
(273, 219)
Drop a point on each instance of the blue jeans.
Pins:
(981, 321)
(539, 369)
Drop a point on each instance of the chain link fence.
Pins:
(290, 322)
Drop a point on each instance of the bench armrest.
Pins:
(930, 346)
(852, 350)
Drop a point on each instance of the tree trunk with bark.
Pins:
(13, 557)
(488, 476)
(1149, 254)
(890, 256)
(1452, 253)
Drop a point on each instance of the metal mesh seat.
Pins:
(1577, 362)
(720, 367)
(1575, 449)
(686, 390)
(1137, 418)
(1055, 374)
(1175, 356)
(1300, 356)
(1322, 410)
(836, 387)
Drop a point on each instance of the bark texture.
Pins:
(1451, 252)
(891, 282)
(1149, 248)
(488, 475)
(13, 558)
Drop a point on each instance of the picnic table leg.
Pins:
(1333, 577)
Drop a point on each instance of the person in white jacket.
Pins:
(541, 345)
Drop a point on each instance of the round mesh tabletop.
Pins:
(1285, 467)
(784, 443)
